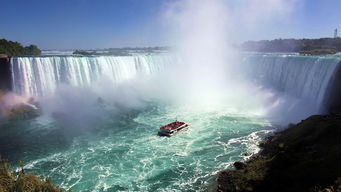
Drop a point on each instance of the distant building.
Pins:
(335, 33)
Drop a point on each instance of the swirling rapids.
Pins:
(125, 154)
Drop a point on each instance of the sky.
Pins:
(91, 24)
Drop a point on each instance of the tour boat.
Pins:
(172, 128)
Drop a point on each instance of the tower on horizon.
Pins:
(335, 33)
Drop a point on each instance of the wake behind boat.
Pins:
(173, 128)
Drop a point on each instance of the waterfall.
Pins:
(304, 77)
(38, 76)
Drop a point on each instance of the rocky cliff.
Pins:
(5, 73)
(304, 157)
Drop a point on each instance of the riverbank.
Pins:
(304, 157)
(21, 181)
(307, 46)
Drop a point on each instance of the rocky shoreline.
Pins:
(304, 157)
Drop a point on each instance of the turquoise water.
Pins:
(116, 148)
(123, 153)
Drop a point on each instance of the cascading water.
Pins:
(303, 77)
(38, 76)
(122, 152)
(299, 76)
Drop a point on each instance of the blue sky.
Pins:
(71, 24)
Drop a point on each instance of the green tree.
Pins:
(12, 48)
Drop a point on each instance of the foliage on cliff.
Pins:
(12, 48)
(318, 52)
(304, 157)
(22, 182)
(292, 45)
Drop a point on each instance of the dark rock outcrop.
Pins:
(14, 107)
(304, 157)
(5, 73)
(23, 111)
(239, 165)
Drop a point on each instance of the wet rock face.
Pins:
(239, 165)
(5, 74)
(23, 111)
(15, 107)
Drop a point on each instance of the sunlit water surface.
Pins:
(125, 154)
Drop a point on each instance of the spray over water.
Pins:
(123, 100)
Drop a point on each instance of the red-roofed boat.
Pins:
(173, 128)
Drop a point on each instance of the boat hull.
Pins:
(172, 132)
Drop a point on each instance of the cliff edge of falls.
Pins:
(5, 73)
(304, 157)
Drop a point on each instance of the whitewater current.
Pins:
(121, 151)
(125, 153)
